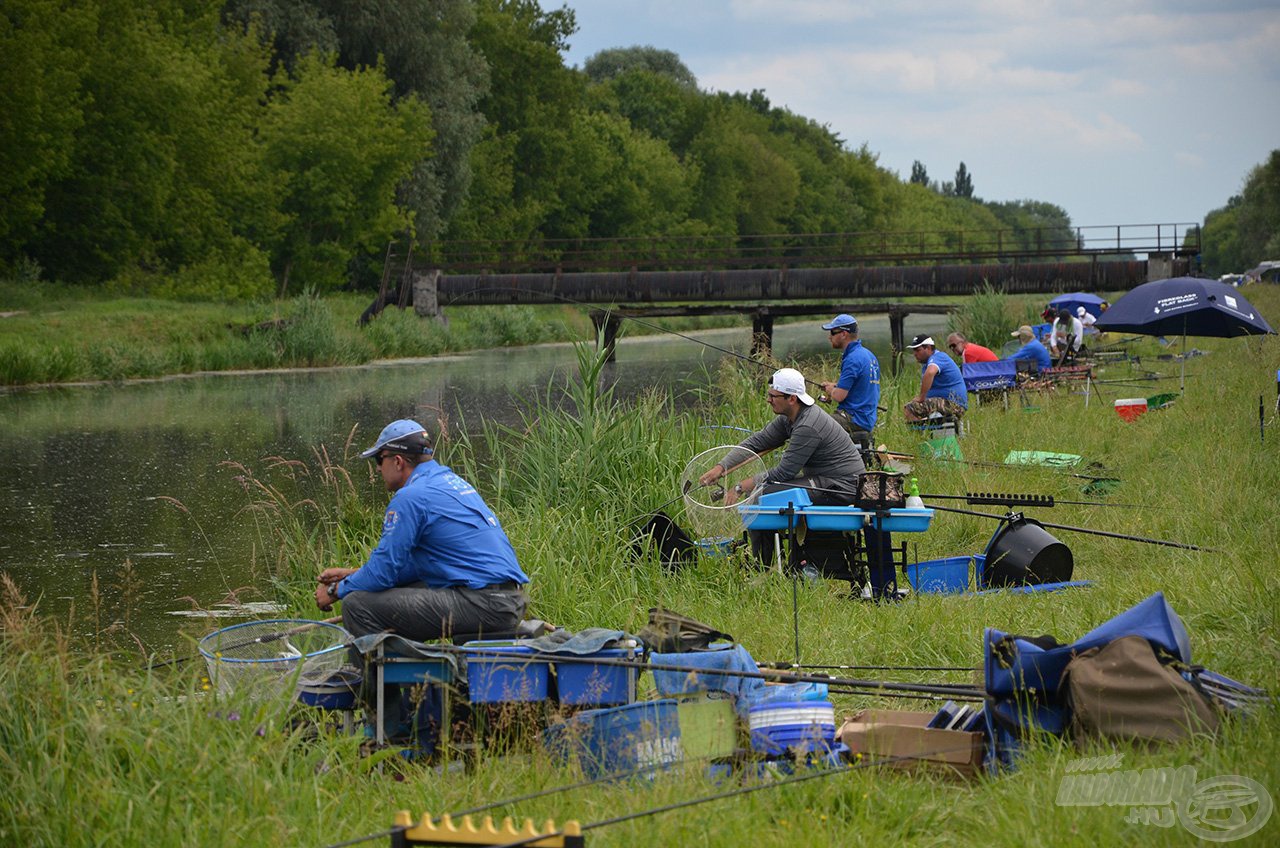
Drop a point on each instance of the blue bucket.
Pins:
(941, 576)
(800, 726)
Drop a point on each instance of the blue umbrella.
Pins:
(1184, 306)
(1072, 301)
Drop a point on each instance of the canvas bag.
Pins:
(1122, 692)
(672, 633)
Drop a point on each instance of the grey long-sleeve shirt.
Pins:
(817, 446)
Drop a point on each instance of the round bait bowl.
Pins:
(263, 659)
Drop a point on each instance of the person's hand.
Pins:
(323, 601)
(716, 472)
(333, 575)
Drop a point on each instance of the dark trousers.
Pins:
(421, 613)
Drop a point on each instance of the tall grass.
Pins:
(149, 758)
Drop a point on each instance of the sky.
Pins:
(1121, 112)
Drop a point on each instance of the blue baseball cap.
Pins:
(404, 436)
(841, 321)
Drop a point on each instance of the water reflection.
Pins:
(120, 504)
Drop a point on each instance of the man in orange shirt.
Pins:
(968, 351)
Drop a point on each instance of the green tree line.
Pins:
(251, 148)
(1246, 231)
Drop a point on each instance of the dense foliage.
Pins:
(1247, 230)
(242, 148)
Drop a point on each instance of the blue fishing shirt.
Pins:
(948, 382)
(437, 530)
(1036, 351)
(860, 377)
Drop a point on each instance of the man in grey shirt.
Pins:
(819, 456)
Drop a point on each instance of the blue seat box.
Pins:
(582, 683)
(498, 672)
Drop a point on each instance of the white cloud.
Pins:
(799, 11)
(1189, 160)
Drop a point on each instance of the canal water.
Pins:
(121, 506)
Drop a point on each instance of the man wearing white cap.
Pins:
(819, 456)
(443, 564)
(941, 384)
(1086, 318)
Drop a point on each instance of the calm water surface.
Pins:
(120, 506)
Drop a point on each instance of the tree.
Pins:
(42, 104)
(964, 182)
(919, 174)
(616, 61)
(343, 148)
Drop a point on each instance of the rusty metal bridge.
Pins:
(769, 276)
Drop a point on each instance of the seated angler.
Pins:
(942, 387)
(1031, 349)
(443, 564)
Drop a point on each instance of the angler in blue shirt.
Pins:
(941, 384)
(443, 564)
(857, 392)
(1031, 348)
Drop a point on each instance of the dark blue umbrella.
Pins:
(1071, 301)
(1184, 306)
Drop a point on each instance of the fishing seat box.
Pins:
(503, 672)
(905, 736)
(582, 683)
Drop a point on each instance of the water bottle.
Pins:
(913, 495)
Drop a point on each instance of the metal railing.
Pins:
(811, 250)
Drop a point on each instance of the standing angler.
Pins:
(857, 391)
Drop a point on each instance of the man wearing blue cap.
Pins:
(443, 564)
(857, 392)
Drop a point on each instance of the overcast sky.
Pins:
(1121, 112)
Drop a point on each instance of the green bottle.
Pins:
(913, 495)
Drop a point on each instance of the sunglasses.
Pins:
(774, 395)
(378, 458)
(838, 330)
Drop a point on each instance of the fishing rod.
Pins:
(404, 825)
(745, 790)
(871, 686)
(1106, 533)
(784, 666)
(1051, 500)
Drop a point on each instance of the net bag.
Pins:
(262, 659)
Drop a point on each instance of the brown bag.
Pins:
(1122, 692)
(881, 490)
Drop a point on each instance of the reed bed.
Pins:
(149, 757)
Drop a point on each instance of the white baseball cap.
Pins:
(1080, 310)
(789, 381)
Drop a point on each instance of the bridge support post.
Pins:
(897, 337)
(426, 293)
(1159, 266)
(761, 334)
(610, 322)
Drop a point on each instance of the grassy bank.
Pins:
(151, 758)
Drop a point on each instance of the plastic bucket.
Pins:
(940, 576)
(1022, 553)
(1129, 409)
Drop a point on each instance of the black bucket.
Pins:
(1022, 553)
